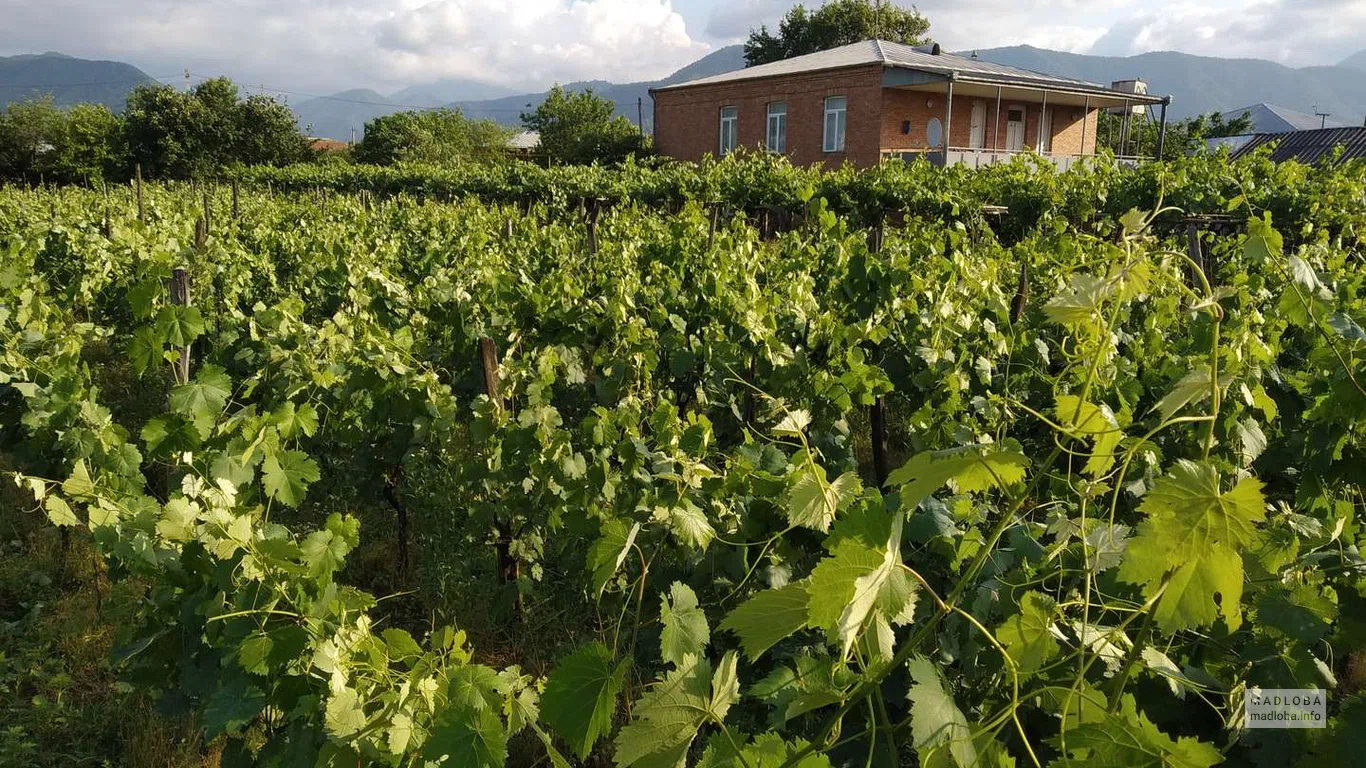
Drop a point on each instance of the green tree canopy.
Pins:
(582, 127)
(835, 23)
(438, 136)
(39, 140)
(180, 134)
(1183, 136)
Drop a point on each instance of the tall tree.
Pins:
(40, 140)
(580, 127)
(183, 134)
(440, 136)
(835, 23)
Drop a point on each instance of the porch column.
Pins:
(948, 120)
(996, 126)
(1124, 130)
(1085, 118)
(1043, 112)
(1162, 129)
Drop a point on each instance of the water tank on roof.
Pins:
(1130, 86)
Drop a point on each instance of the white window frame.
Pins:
(776, 135)
(729, 130)
(836, 110)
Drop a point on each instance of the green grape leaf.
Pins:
(145, 349)
(608, 553)
(936, 721)
(1127, 739)
(170, 434)
(205, 396)
(233, 706)
(725, 686)
(581, 696)
(344, 716)
(473, 687)
(667, 718)
(685, 630)
(400, 644)
(793, 424)
(1263, 242)
(847, 588)
(690, 525)
(462, 738)
(1080, 302)
(768, 617)
(970, 468)
(1028, 635)
(287, 475)
(180, 325)
(59, 512)
(1094, 423)
(813, 503)
(1193, 388)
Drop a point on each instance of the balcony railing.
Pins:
(978, 158)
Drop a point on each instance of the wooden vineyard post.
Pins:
(507, 233)
(180, 296)
(877, 412)
(1021, 301)
(749, 391)
(391, 484)
(594, 210)
(142, 211)
(715, 224)
(236, 210)
(108, 231)
(509, 570)
(208, 211)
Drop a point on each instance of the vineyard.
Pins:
(732, 466)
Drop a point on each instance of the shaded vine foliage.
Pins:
(1126, 489)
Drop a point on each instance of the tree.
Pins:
(439, 136)
(582, 127)
(1184, 137)
(178, 134)
(39, 140)
(836, 23)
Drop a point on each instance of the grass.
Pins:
(61, 703)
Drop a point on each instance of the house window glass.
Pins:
(777, 127)
(730, 119)
(836, 110)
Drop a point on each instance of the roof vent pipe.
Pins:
(934, 49)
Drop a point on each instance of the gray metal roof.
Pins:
(902, 56)
(1270, 118)
(1309, 146)
(525, 140)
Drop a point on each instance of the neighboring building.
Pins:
(525, 142)
(1269, 118)
(1307, 146)
(875, 99)
(327, 145)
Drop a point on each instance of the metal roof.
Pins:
(526, 140)
(920, 58)
(1309, 146)
(1270, 118)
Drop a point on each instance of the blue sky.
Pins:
(325, 45)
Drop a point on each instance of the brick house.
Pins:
(875, 99)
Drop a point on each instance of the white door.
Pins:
(1046, 131)
(1015, 129)
(977, 139)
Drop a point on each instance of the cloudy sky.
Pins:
(325, 45)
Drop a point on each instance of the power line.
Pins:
(86, 85)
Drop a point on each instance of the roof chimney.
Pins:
(934, 49)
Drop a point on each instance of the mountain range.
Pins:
(1197, 84)
(67, 79)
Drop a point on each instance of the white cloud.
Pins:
(324, 44)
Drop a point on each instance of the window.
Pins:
(777, 127)
(730, 119)
(836, 108)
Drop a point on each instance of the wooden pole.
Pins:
(594, 210)
(509, 568)
(1195, 251)
(142, 211)
(877, 412)
(208, 211)
(180, 296)
(104, 187)
(236, 210)
(1017, 307)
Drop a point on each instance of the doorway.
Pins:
(1015, 129)
(977, 137)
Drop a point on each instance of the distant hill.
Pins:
(1357, 61)
(337, 115)
(69, 80)
(1201, 84)
(626, 96)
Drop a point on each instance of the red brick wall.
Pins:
(688, 120)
